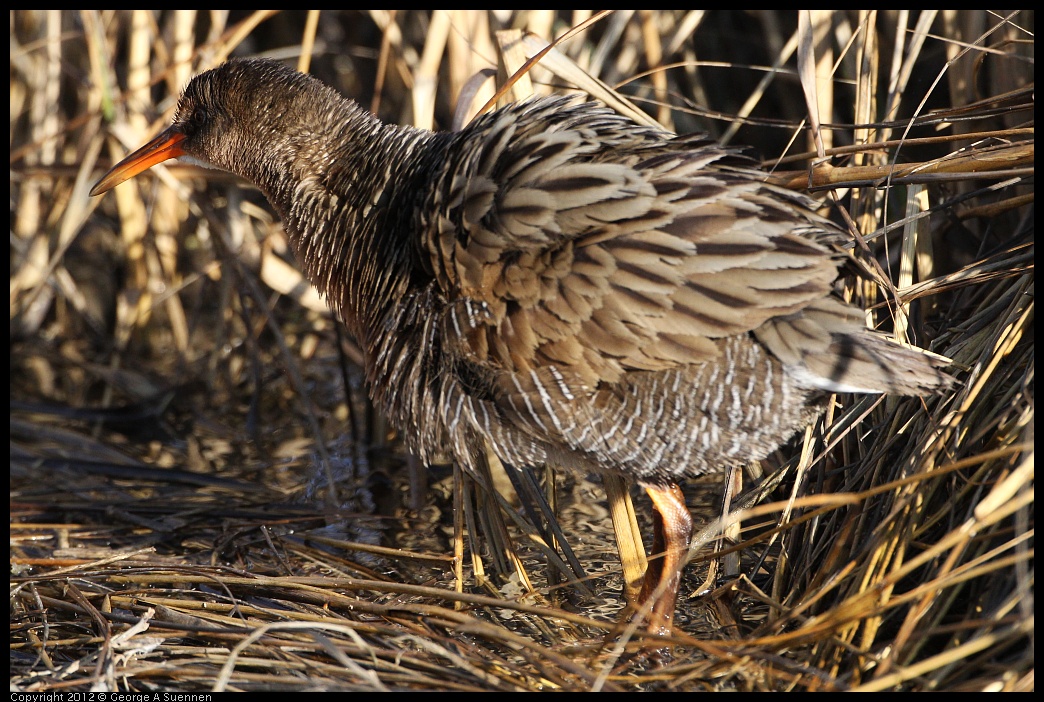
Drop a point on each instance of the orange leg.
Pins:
(671, 537)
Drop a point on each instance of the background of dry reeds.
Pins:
(196, 505)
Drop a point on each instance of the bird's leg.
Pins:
(628, 538)
(671, 537)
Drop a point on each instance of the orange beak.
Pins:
(165, 146)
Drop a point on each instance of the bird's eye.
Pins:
(199, 117)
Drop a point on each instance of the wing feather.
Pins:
(605, 249)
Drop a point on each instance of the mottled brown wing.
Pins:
(600, 247)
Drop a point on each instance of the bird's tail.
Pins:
(827, 346)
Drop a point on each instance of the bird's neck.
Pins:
(353, 217)
(345, 190)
